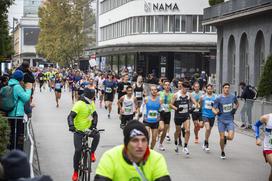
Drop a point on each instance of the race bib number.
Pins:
(58, 86)
(152, 115)
(185, 108)
(108, 90)
(128, 109)
(138, 94)
(208, 104)
(227, 108)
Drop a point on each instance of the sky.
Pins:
(15, 11)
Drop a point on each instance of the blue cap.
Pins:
(18, 75)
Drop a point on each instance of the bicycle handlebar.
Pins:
(89, 131)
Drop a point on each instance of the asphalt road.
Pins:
(55, 146)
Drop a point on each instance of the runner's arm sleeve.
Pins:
(101, 178)
(257, 126)
(95, 119)
(70, 120)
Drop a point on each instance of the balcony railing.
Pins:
(232, 6)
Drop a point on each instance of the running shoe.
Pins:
(186, 151)
(93, 158)
(168, 138)
(207, 149)
(223, 156)
(75, 176)
(243, 126)
(161, 147)
(176, 149)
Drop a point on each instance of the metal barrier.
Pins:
(29, 144)
(31, 149)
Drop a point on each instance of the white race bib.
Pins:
(185, 108)
(138, 94)
(58, 86)
(152, 114)
(108, 90)
(165, 107)
(208, 104)
(227, 108)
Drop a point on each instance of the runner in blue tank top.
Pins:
(151, 116)
(206, 102)
(225, 107)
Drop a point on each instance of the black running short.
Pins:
(210, 120)
(180, 121)
(196, 116)
(165, 117)
(109, 97)
(58, 90)
(152, 125)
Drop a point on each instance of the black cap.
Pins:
(132, 129)
(89, 93)
(16, 165)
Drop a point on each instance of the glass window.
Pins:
(171, 23)
(152, 23)
(195, 23)
(147, 24)
(183, 23)
(141, 25)
(165, 23)
(177, 23)
(158, 24)
(207, 29)
(131, 25)
(214, 29)
(115, 64)
(135, 24)
(200, 27)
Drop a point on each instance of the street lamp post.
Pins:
(13, 31)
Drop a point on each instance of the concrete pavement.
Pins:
(55, 146)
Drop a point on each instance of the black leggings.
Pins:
(16, 134)
(78, 147)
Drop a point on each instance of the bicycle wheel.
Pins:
(89, 167)
(82, 167)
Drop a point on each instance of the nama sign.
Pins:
(148, 6)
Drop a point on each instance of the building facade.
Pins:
(244, 41)
(164, 37)
(26, 35)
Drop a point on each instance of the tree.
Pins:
(265, 84)
(6, 49)
(62, 37)
(214, 2)
(4, 135)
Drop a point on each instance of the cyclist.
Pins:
(135, 160)
(127, 105)
(78, 122)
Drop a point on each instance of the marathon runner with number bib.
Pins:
(110, 87)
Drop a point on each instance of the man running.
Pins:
(127, 105)
(133, 161)
(225, 106)
(101, 89)
(79, 121)
(196, 112)
(121, 87)
(165, 115)
(110, 88)
(139, 91)
(181, 104)
(151, 117)
(208, 117)
(267, 144)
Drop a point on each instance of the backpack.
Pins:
(253, 93)
(7, 101)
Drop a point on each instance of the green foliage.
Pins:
(265, 84)
(4, 134)
(214, 2)
(6, 49)
(62, 37)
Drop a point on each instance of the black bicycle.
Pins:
(85, 164)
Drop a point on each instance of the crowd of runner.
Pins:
(152, 104)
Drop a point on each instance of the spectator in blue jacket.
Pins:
(21, 93)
